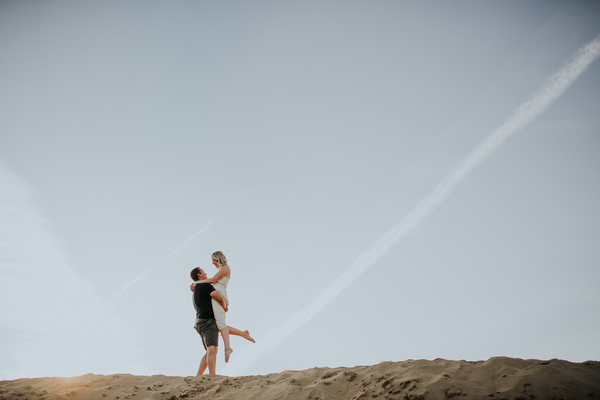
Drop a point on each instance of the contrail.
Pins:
(177, 249)
(551, 89)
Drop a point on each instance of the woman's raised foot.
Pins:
(247, 336)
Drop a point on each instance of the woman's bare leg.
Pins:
(228, 349)
(219, 312)
(237, 332)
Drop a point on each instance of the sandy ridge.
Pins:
(495, 379)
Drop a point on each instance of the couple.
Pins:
(211, 304)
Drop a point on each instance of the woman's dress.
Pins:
(221, 287)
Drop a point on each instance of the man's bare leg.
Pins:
(237, 332)
(203, 365)
(211, 359)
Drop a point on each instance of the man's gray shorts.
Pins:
(207, 328)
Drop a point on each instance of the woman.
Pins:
(219, 281)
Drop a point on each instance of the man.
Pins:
(205, 320)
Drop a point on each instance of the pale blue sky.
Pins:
(293, 135)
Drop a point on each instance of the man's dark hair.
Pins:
(195, 274)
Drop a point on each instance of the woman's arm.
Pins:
(220, 273)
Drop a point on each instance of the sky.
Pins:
(332, 150)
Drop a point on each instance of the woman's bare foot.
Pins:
(228, 353)
(246, 335)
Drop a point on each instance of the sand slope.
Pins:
(496, 378)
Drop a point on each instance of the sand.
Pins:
(496, 378)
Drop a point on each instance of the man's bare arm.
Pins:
(217, 296)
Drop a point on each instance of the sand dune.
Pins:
(496, 378)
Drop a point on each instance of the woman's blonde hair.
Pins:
(220, 257)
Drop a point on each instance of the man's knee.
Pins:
(212, 350)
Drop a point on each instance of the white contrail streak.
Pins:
(177, 249)
(551, 89)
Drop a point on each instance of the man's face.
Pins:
(202, 275)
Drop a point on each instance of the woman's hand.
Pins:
(193, 286)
